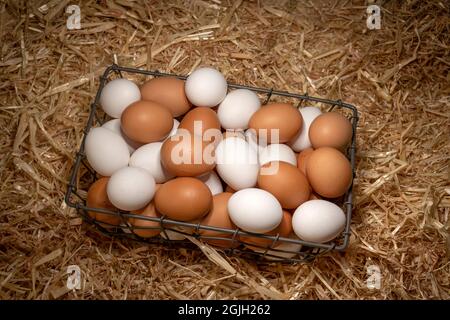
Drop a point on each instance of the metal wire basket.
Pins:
(286, 250)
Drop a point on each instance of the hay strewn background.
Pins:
(398, 77)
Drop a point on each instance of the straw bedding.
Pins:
(398, 77)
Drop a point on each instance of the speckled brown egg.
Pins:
(146, 121)
(329, 172)
(282, 116)
(187, 155)
(288, 184)
(330, 129)
(218, 217)
(169, 92)
(183, 199)
(98, 198)
(302, 159)
(140, 224)
(203, 116)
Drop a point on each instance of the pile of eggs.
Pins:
(197, 152)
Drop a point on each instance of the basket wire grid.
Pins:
(304, 250)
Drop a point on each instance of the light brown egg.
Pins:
(282, 116)
(330, 129)
(329, 172)
(203, 116)
(183, 199)
(187, 155)
(219, 217)
(98, 198)
(148, 211)
(287, 184)
(169, 92)
(302, 159)
(284, 229)
(146, 121)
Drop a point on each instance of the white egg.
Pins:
(301, 140)
(106, 151)
(252, 139)
(117, 95)
(255, 210)
(172, 132)
(288, 250)
(206, 87)
(114, 125)
(277, 152)
(237, 108)
(318, 221)
(130, 188)
(148, 157)
(212, 181)
(237, 163)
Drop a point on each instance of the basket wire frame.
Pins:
(308, 250)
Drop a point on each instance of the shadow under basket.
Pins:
(280, 249)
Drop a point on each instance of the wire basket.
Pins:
(278, 249)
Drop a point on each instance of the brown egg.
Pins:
(183, 199)
(287, 184)
(203, 116)
(329, 172)
(282, 116)
(169, 92)
(148, 211)
(218, 217)
(284, 229)
(330, 129)
(302, 159)
(229, 189)
(187, 155)
(98, 198)
(146, 121)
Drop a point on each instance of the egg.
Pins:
(329, 172)
(258, 144)
(183, 199)
(330, 129)
(146, 121)
(146, 228)
(318, 221)
(302, 159)
(220, 218)
(212, 181)
(187, 155)
(277, 152)
(237, 163)
(255, 210)
(301, 140)
(285, 250)
(114, 126)
(276, 122)
(98, 198)
(117, 95)
(168, 92)
(106, 151)
(148, 157)
(206, 87)
(131, 188)
(237, 108)
(199, 120)
(285, 182)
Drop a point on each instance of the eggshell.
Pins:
(146, 121)
(329, 172)
(114, 126)
(237, 163)
(106, 151)
(148, 157)
(168, 92)
(140, 224)
(200, 119)
(183, 199)
(236, 109)
(301, 140)
(212, 181)
(302, 159)
(98, 198)
(285, 182)
(255, 210)
(283, 118)
(206, 87)
(318, 221)
(277, 152)
(220, 218)
(330, 129)
(117, 95)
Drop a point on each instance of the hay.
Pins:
(398, 77)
